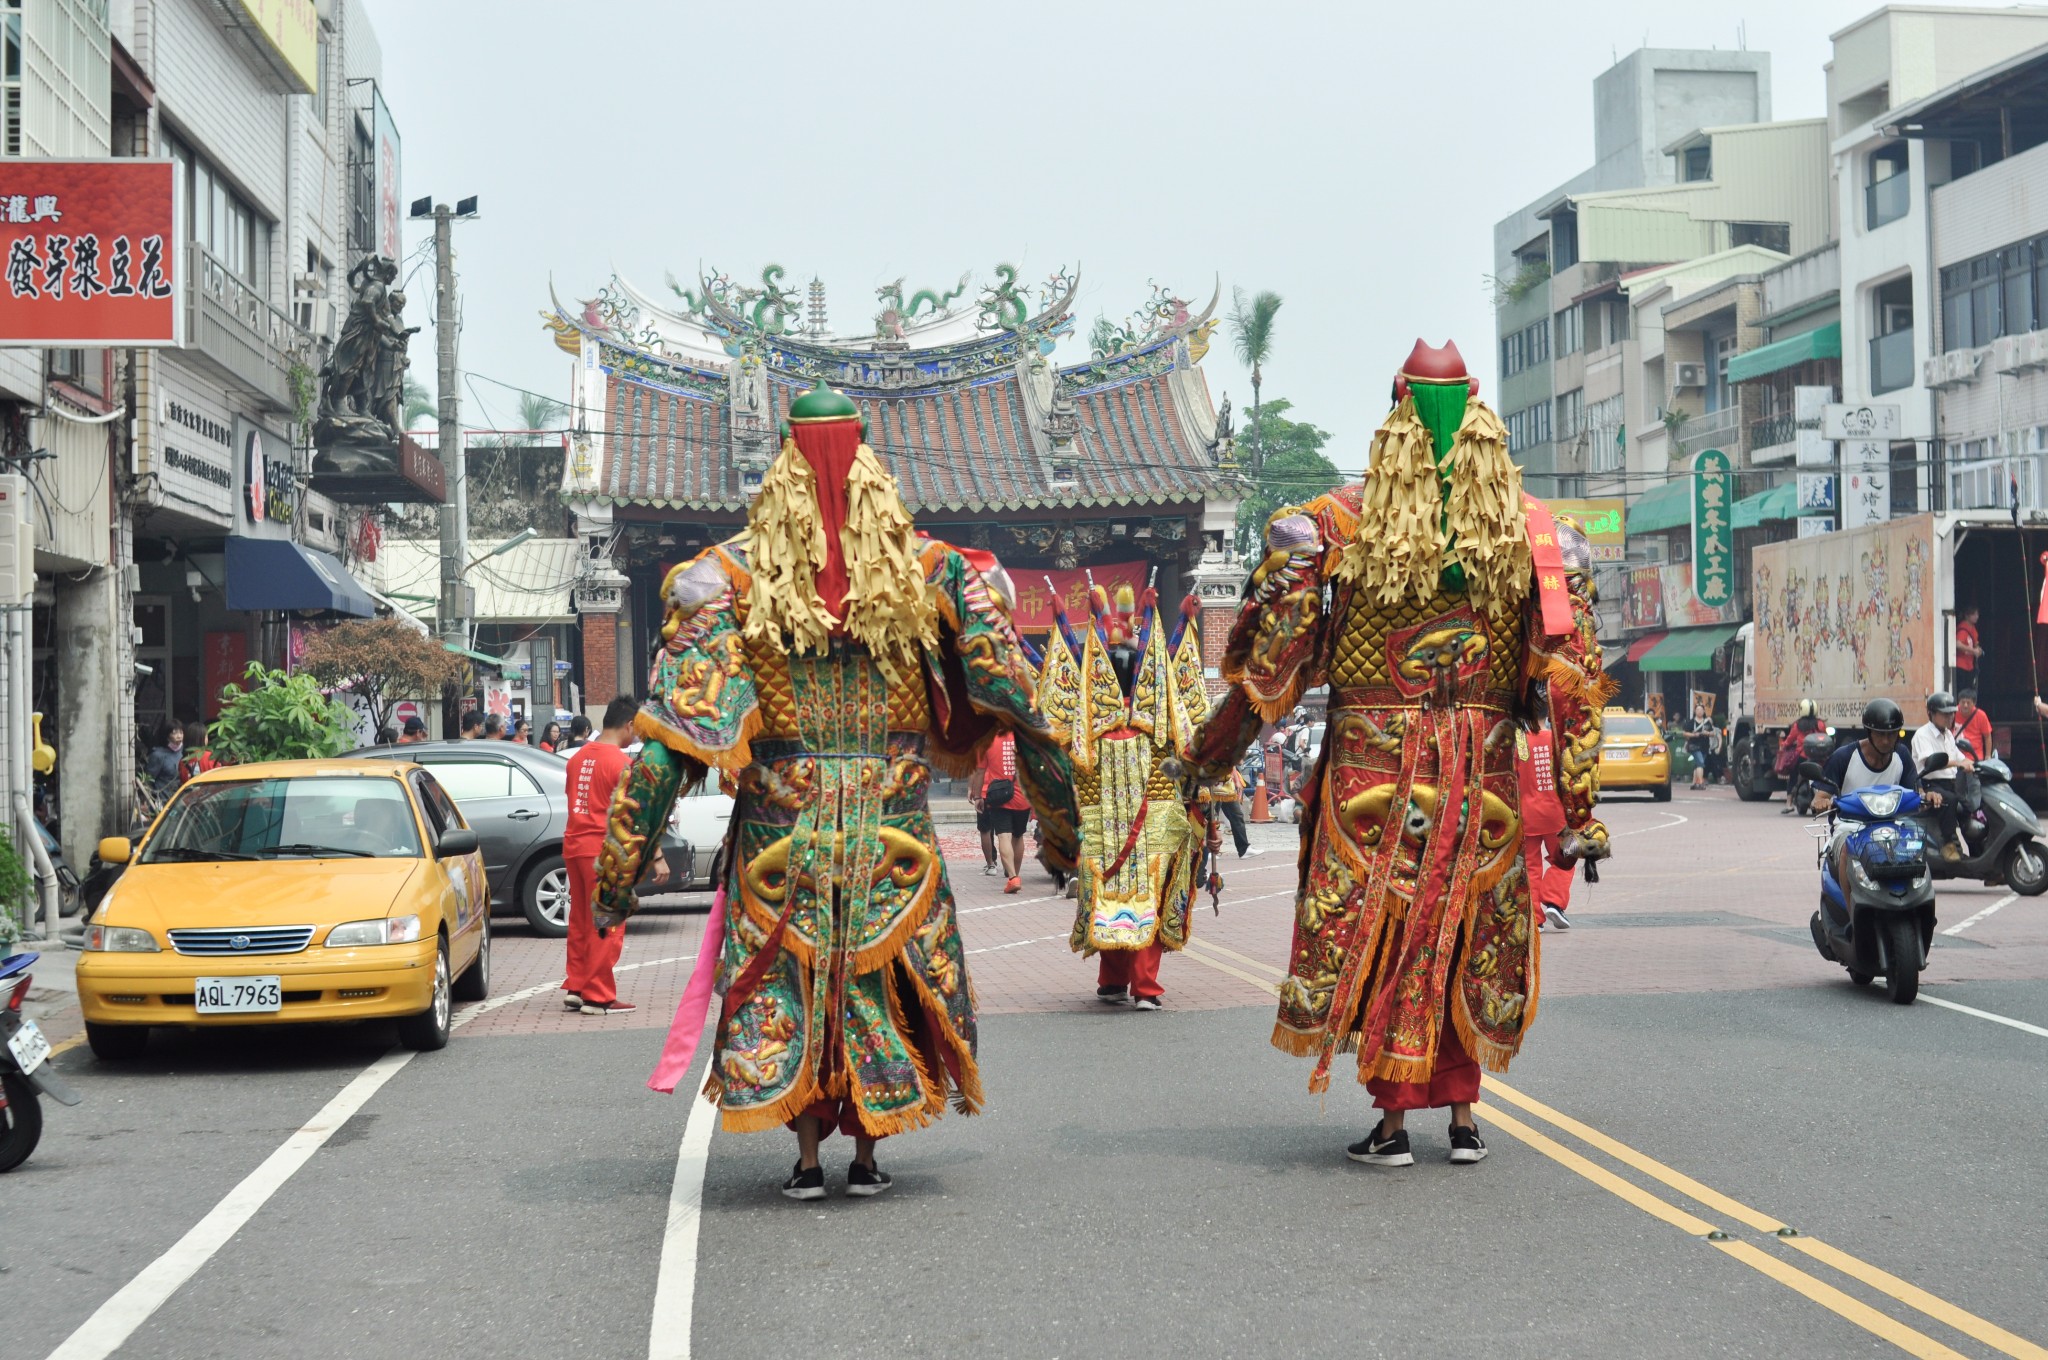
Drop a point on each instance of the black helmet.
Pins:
(1882, 715)
(1941, 701)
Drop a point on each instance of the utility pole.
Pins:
(455, 509)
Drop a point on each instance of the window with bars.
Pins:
(1528, 427)
(1571, 409)
(2001, 292)
(1571, 331)
(221, 220)
(1525, 349)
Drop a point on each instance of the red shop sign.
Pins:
(89, 254)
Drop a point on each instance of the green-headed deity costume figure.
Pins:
(823, 662)
(1430, 598)
(1124, 695)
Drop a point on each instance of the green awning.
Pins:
(1662, 507)
(495, 662)
(1822, 343)
(1688, 649)
(1780, 502)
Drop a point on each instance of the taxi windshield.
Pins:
(337, 817)
(1628, 725)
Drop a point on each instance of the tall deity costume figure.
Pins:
(1431, 598)
(823, 662)
(1124, 696)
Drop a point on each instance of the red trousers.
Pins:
(591, 959)
(1454, 1082)
(1137, 969)
(1550, 883)
(834, 1115)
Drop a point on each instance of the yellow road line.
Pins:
(1819, 1291)
(1914, 1297)
(1259, 964)
(1222, 967)
(68, 1044)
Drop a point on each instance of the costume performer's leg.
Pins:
(591, 960)
(1234, 813)
(1550, 882)
(1454, 1082)
(1137, 969)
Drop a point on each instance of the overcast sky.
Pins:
(1352, 157)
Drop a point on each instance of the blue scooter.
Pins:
(1876, 914)
(24, 1069)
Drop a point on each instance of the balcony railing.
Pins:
(1885, 200)
(232, 325)
(1891, 362)
(1772, 431)
(1720, 429)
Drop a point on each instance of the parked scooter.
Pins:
(1816, 747)
(24, 1069)
(1876, 914)
(2001, 839)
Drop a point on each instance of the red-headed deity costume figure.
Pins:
(1428, 598)
(1124, 696)
(823, 661)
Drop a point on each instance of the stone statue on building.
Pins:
(362, 401)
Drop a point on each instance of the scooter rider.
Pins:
(1790, 749)
(1877, 759)
(1939, 735)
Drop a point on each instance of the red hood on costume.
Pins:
(829, 446)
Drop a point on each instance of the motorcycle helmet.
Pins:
(1882, 715)
(1807, 708)
(1941, 701)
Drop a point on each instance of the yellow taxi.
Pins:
(308, 890)
(1633, 754)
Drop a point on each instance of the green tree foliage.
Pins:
(17, 885)
(381, 661)
(1295, 470)
(275, 716)
(537, 412)
(419, 403)
(1251, 325)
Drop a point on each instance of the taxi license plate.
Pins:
(1615, 752)
(29, 1047)
(236, 995)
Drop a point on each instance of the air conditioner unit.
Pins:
(1952, 369)
(1690, 375)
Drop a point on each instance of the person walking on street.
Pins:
(471, 725)
(413, 733)
(1699, 743)
(165, 759)
(1005, 808)
(551, 738)
(1973, 725)
(578, 738)
(593, 774)
(1969, 650)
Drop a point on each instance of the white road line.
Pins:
(1985, 1015)
(116, 1319)
(1961, 926)
(675, 1288)
(1676, 819)
(1014, 944)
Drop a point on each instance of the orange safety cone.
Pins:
(1260, 812)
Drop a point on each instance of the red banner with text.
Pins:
(1038, 589)
(90, 251)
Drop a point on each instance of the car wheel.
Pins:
(116, 1043)
(429, 1029)
(717, 871)
(1746, 783)
(544, 897)
(1662, 793)
(475, 982)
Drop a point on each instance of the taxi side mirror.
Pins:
(456, 840)
(116, 850)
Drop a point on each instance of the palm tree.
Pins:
(1251, 335)
(537, 412)
(419, 402)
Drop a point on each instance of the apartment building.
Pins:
(1888, 70)
(162, 466)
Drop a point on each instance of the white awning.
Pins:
(532, 582)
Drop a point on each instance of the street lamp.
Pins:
(507, 546)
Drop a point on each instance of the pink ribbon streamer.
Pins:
(687, 1030)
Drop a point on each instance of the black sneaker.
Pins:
(804, 1184)
(1554, 917)
(1466, 1146)
(865, 1180)
(1382, 1150)
(1112, 996)
(1148, 1003)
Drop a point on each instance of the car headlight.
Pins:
(120, 940)
(383, 930)
(1881, 804)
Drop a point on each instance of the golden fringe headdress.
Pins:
(890, 608)
(1409, 529)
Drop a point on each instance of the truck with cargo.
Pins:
(1843, 618)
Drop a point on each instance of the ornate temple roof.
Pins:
(967, 410)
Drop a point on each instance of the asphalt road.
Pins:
(1142, 1183)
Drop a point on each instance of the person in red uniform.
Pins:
(593, 773)
(1004, 806)
(1969, 649)
(1973, 725)
(1550, 875)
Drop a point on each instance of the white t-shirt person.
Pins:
(1930, 739)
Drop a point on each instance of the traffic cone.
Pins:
(1260, 812)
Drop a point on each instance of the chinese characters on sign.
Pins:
(1069, 589)
(1866, 483)
(1602, 522)
(1713, 529)
(1816, 493)
(89, 253)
